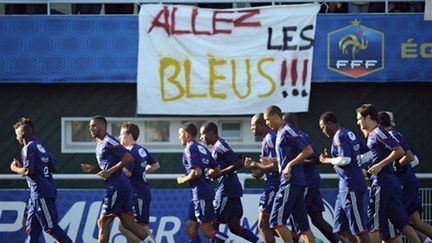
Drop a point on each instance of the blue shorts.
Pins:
(141, 207)
(411, 197)
(116, 202)
(227, 207)
(266, 201)
(289, 200)
(313, 200)
(350, 212)
(42, 215)
(386, 212)
(201, 211)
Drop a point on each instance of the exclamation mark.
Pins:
(304, 77)
(283, 77)
(294, 76)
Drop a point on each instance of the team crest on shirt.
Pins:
(142, 152)
(40, 148)
(352, 136)
(202, 150)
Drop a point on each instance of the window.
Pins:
(157, 134)
(156, 131)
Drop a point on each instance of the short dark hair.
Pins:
(100, 118)
(385, 119)
(210, 127)
(131, 128)
(291, 118)
(273, 110)
(329, 116)
(368, 109)
(190, 128)
(259, 119)
(24, 121)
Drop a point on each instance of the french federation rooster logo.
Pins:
(353, 43)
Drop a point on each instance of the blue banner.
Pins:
(103, 49)
(79, 210)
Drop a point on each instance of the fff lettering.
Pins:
(367, 64)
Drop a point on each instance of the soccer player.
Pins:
(313, 199)
(112, 157)
(199, 165)
(136, 171)
(410, 184)
(37, 166)
(228, 206)
(291, 151)
(385, 209)
(347, 155)
(270, 169)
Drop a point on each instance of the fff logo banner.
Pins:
(355, 50)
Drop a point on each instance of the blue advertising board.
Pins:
(103, 49)
(79, 210)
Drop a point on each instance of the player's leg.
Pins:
(235, 212)
(264, 228)
(279, 215)
(419, 225)
(48, 219)
(354, 206)
(341, 224)
(296, 207)
(398, 216)
(33, 228)
(141, 212)
(314, 207)
(265, 206)
(204, 214)
(104, 223)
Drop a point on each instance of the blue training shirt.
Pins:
(346, 144)
(289, 144)
(142, 158)
(229, 184)
(406, 173)
(109, 152)
(195, 155)
(313, 179)
(381, 143)
(35, 157)
(272, 180)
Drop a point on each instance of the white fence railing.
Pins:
(242, 176)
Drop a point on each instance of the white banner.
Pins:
(195, 61)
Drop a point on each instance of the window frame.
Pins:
(245, 143)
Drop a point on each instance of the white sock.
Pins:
(427, 240)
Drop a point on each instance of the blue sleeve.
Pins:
(213, 163)
(117, 150)
(150, 159)
(195, 158)
(52, 160)
(401, 140)
(30, 158)
(298, 142)
(131, 166)
(389, 141)
(363, 147)
(342, 146)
